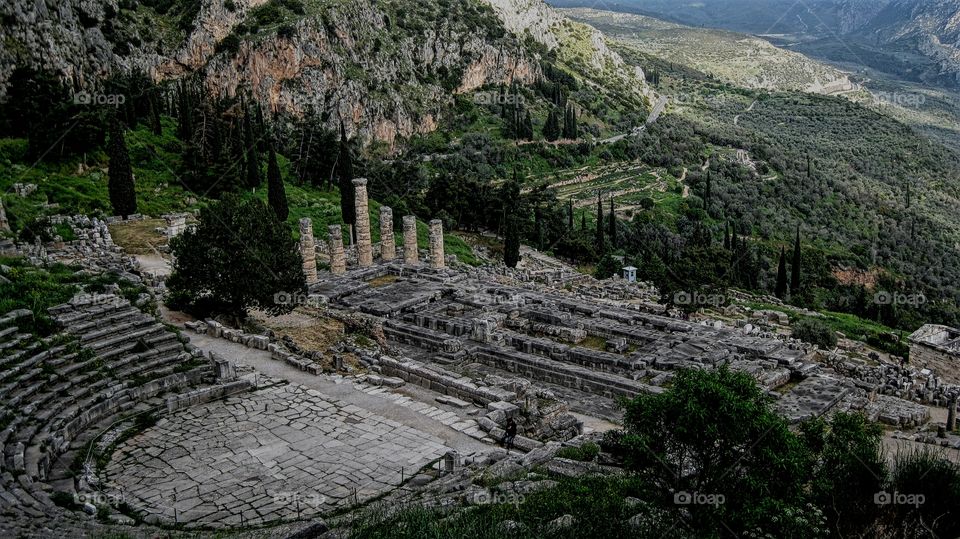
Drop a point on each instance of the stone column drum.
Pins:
(308, 250)
(411, 254)
(364, 247)
(436, 244)
(4, 224)
(338, 259)
(388, 246)
(952, 415)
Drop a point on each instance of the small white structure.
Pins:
(938, 348)
(630, 274)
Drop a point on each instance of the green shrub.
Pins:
(815, 332)
(586, 452)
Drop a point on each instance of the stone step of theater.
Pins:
(59, 393)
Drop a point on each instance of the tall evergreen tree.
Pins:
(726, 235)
(795, 266)
(184, 112)
(155, 124)
(781, 289)
(512, 221)
(276, 194)
(527, 126)
(552, 128)
(583, 222)
(599, 229)
(570, 123)
(348, 209)
(612, 224)
(123, 194)
(254, 179)
(570, 215)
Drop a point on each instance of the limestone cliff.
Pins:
(388, 69)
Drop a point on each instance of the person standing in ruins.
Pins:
(511, 433)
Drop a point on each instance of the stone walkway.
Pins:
(396, 406)
(279, 453)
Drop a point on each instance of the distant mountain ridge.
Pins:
(918, 40)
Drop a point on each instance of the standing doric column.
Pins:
(411, 253)
(338, 259)
(364, 247)
(308, 250)
(436, 244)
(388, 246)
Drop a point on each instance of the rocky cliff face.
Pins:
(388, 69)
(928, 27)
(62, 34)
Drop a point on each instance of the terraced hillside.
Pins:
(628, 184)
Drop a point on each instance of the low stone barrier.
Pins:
(259, 342)
(206, 394)
(448, 384)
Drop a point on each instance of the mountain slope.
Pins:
(388, 70)
(916, 40)
(739, 59)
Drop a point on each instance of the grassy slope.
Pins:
(81, 187)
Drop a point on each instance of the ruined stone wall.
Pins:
(946, 366)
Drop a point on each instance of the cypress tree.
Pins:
(551, 129)
(155, 124)
(570, 123)
(123, 194)
(276, 194)
(795, 266)
(612, 223)
(599, 231)
(253, 159)
(909, 195)
(185, 110)
(726, 235)
(345, 180)
(583, 221)
(781, 290)
(570, 214)
(527, 126)
(512, 222)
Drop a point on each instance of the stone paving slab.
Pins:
(280, 453)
